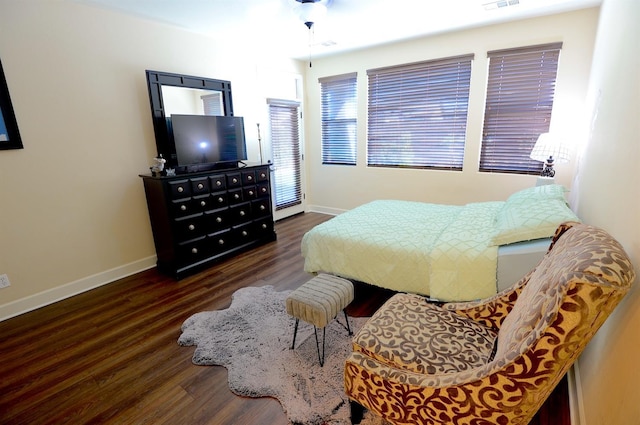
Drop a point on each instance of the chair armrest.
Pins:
(493, 310)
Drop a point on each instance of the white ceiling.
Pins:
(348, 24)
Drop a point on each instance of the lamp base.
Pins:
(547, 169)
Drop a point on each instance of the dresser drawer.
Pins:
(235, 196)
(217, 220)
(199, 185)
(240, 213)
(234, 180)
(248, 177)
(262, 175)
(190, 227)
(217, 182)
(264, 227)
(220, 242)
(263, 189)
(179, 189)
(192, 251)
(219, 200)
(249, 193)
(261, 207)
(183, 207)
(244, 233)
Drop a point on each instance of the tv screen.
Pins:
(206, 139)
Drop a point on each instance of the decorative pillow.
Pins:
(532, 213)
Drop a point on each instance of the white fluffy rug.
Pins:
(252, 339)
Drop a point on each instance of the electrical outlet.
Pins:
(4, 281)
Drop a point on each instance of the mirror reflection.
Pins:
(188, 101)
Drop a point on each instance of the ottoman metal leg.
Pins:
(295, 332)
(324, 333)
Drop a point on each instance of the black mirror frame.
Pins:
(9, 117)
(155, 81)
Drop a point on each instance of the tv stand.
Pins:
(201, 218)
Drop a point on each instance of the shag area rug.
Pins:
(252, 339)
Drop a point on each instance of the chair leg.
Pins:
(357, 412)
(295, 332)
(324, 333)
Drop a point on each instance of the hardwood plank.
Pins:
(111, 356)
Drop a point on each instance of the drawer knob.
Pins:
(218, 219)
(200, 186)
(220, 241)
(203, 204)
(251, 193)
(180, 189)
(235, 180)
(244, 233)
(220, 199)
(194, 250)
(242, 213)
(262, 207)
(263, 189)
(218, 183)
(264, 225)
(262, 175)
(192, 227)
(236, 196)
(183, 207)
(249, 178)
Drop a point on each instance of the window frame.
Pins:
(519, 101)
(402, 97)
(339, 119)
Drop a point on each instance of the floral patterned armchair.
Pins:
(493, 361)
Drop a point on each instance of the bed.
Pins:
(446, 252)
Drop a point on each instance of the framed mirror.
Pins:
(183, 94)
(9, 134)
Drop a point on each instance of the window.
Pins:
(520, 92)
(339, 119)
(418, 114)
(285, 145)
(212, 104)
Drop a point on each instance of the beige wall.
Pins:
(73, 211)
(361, 184)
(607, 186)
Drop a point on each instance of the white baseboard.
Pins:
(576, 400)
(68, 290)
(324, 210)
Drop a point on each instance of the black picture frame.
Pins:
(9, 134)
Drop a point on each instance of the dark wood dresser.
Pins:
(200, 218)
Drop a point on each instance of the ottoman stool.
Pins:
(318, 302)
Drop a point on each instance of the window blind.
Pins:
(519, 102)
(339, 119)
(212, 104)
(285, 145)
(417, 114)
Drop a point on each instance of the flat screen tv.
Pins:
(205, 142)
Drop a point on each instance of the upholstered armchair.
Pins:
(493, 361)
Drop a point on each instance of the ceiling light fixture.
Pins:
(310, 11)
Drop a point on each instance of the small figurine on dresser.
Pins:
(158, 167)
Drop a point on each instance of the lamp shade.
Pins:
(547, 147)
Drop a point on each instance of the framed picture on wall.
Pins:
(9, 134)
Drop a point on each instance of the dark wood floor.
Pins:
(110, 355)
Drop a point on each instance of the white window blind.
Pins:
(339, 119)
(519, 101)
(212, 104)
(417, 114)
(285, 144)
